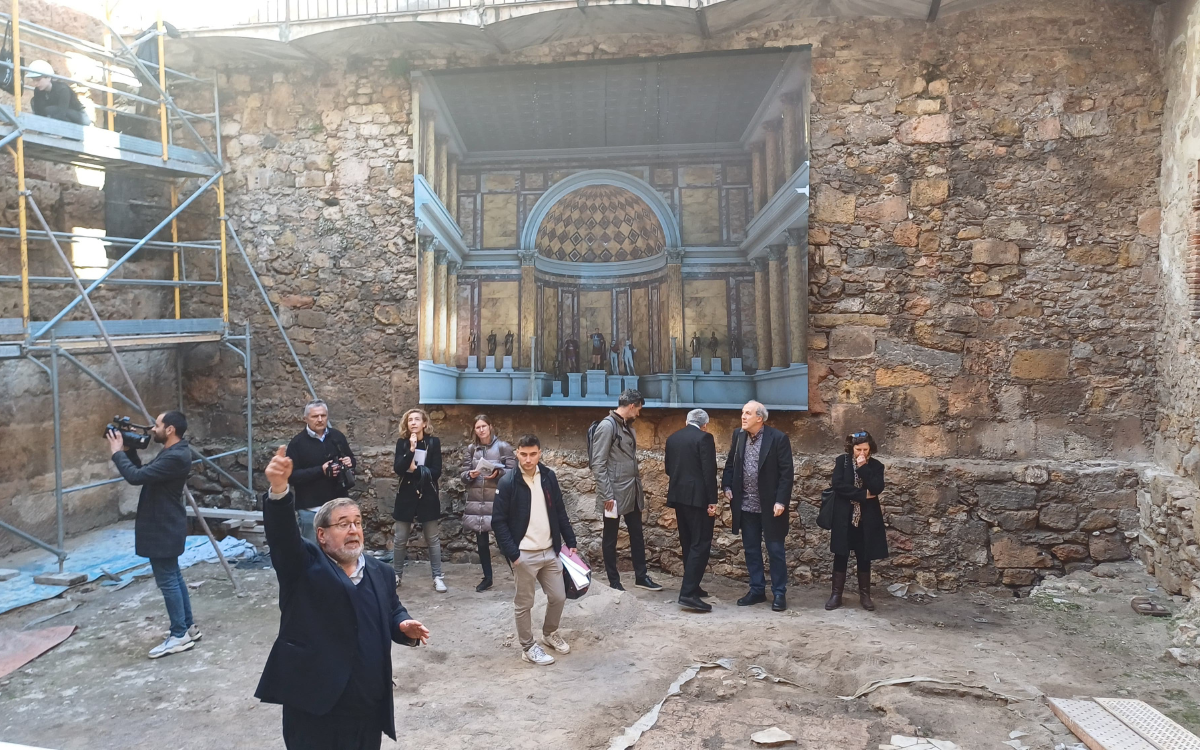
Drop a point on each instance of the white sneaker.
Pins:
(172, 645)
(536, 655)
(556, 642)
(439, 585)
(194, 633)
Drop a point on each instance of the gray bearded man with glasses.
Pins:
(331, 665)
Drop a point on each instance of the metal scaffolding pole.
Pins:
(58, 478)
(128, 382)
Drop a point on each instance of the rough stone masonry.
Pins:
(985, 286)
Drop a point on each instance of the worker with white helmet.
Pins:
(53, 97)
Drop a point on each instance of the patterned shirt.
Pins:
(750, 501)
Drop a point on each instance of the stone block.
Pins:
(1108, 548)
(1099, 520)
(926, 129)
(900, 376)
(1010, 553)
(939, 363)
(1059, 516)
(832, 206)
(887, 211)
(310, 179)
(7, 574)
(929, 192)
(905, 234)
(1092, 255)
(1019, 577)
(1016, 520)
(65, 578)
(922, 404)
(1149, 222)
(995, 252)
(1006, 497)
(1070, 552)
(1040, 364)
(351, 172)
(851, 342)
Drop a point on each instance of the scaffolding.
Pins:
(69, 336)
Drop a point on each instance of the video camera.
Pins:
(135, 436)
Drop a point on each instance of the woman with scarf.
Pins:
(418, 467)
(857, 518)
(481, 480)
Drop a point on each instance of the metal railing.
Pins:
(288, 11)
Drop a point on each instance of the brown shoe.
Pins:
(864, 591)
(839, 585)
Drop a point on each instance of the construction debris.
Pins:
(772, 737)
(900, 742)
(633, 733)
(871, 687)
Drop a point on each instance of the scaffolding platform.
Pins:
(95, 148)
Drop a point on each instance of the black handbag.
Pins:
(8, 74)
(825, 517)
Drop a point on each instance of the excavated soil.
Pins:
(469, 689)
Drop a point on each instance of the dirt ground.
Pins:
(469, 689)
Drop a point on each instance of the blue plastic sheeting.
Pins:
(110, 550)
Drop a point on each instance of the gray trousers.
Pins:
(432, 541)
(538, 568)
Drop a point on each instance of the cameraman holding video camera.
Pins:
(161, 526)
(323, 465)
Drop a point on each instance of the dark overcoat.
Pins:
(776, 473)
(875, 546)
(313, 655)
(417, 491)
(161, 526)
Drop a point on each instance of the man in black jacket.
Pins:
(161, 526)
(53, 97)
(691, 461)
(530, 522)
(758, 481)
(320, 454)
(331, 665)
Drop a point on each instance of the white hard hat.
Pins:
(38, 68)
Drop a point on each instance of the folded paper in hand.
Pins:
(419, 456)
(485, 466)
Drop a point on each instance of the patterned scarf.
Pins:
(858, 483)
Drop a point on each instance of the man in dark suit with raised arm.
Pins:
(758, 479)
(331, 665)
(691, 461)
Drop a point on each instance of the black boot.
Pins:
(839, 585)
(484, 585)
(864, 590)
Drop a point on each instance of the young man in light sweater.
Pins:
(531, 526)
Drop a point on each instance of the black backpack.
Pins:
(8, 75)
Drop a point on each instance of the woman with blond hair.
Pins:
(485, 461)
(418, 467)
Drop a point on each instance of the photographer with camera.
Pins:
(161, 525)
(324, 465)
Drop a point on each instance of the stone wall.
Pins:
(983, 257)
(1168, 543)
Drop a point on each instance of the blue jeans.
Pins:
(306, 518)
(752, 540)
(175, 594)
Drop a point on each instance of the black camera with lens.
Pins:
(135, 436)
(345, 474)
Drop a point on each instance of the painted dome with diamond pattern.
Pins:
(599, 224)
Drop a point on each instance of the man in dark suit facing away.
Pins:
(758, 478)
(331, 665)
(691, 461)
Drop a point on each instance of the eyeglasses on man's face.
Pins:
(346, 525)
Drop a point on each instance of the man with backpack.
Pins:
(612, 456)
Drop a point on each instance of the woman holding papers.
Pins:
(485, 461)
(418, 467)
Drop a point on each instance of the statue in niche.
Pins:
(735, 345)
(598, 346)
(571, 355)
(508, 344)
(473, 343)
(713, 345)
(696, 346)
(614, 357)
(491, 341)
(628, 357)
(557, 371)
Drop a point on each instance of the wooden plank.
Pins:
(1155, 728)
(1098, 729)
(230, 513)
(85, 345)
